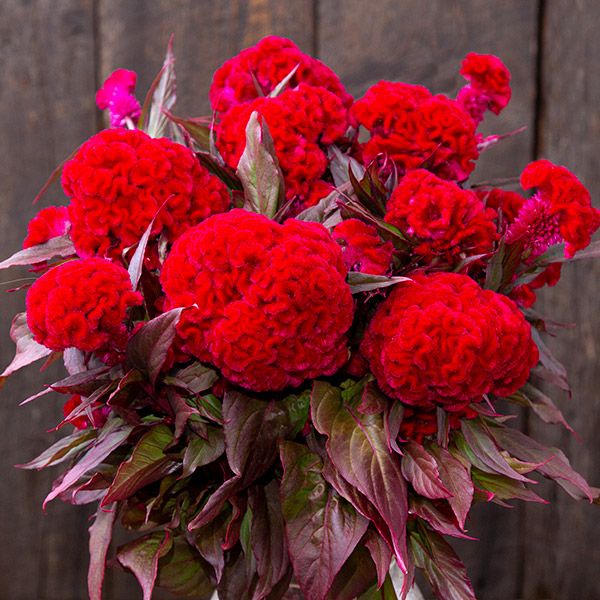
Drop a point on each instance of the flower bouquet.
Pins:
(295, 332)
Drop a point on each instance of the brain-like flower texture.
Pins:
(363, 248)
(416, 129)
(443, 220)
(81, 304)
(488, 87)
(302, 121)
(119, 179)
(441, 340)
(50, 222)
(560, 211)
(272, 307)
(265, 65)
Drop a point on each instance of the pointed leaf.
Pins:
(61, 450)
(60, 246)
(421, 470)
(147, 464)
(28, 350)
(322, 528)
(439, 515)
(198, 129)
(100, 537)
(163, 97)
(380, 552)
(194, 378)
(340, 164)
(148, 347)
(282, 85)
(543, 406)
(142, 555)
(355, 577)
(364, 282)
(200, 452)
(258, 169)
(357, 446)
(503, 487)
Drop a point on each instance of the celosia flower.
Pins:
(117, 94)
(488, 87)
(97, 418)
(420, 424)
(118, 181)
(301, 122)
(559, 211)
(50, 222)
(272, 307)
(443, 220)
(257, 70)
(362, 247)
(502, 201)
(441, 340)
(416, 129)
(525, 296)
(81, 304)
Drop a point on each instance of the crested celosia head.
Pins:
(117, 94)
(257, 70)
(559, 211)
(441, 340)
(119, 179)
(442, 219)
(49, 223)
(81, 304)
(302, 122)
(416, 129)
(488, 87)
(272, 307)
(362, 247)
(504, 202)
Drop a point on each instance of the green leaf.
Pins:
(322, 528)
(503, 487)
(198, 128)
(142, 555)
(298, 408)
(357, 446)
(147, 464)
(180, 572)
(201, 452)
(195, 378)
(364, 282)
(258, 169)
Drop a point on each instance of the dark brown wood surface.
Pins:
(53, 55)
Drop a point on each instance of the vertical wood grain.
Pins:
(561, 549)
(424, 42)
(47, 110)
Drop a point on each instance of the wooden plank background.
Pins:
(53, 55)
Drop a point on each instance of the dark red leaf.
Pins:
(322, 528)
(439, 515)
(61, 246)
(504, 488)
(100, 537)
(200, 451)
(421, 470)
(357, 446)
(380, 552)
(355, 577)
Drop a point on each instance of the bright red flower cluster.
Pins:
(264, 66)
(301, 121)
(416, 129)
(560, 210)
(362, 247)
(272, 305)
(445, 221)
(504, 202)
(81, 304)
(489, 85)
(118, 181)
(442, 340)
(50, 222)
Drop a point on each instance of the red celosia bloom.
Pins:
(442, 219)
(118, 95)
(301, 121)
(81, 304)
(50, 222)
(524, 295)
(416, 129)
(442, 340)
(488, 87)
(118, 181)
(559, 211)
(362, 247)
(502, 201)
(98, 416)
(272, 305)
(420, 424)
(264, 66)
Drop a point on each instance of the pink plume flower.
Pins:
(117, 94)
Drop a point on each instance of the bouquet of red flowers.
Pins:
(293, 331)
